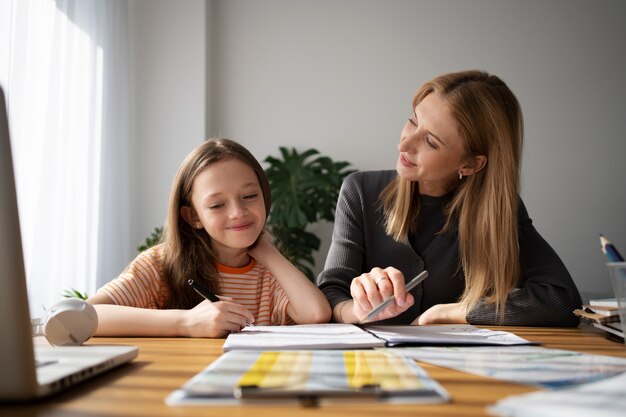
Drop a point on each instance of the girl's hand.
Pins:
(370, 289)
(453, 313)
(262, 247)
(209, 319)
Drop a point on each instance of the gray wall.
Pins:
(339, 76)
(169, 47)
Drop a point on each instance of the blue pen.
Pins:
(609, 250)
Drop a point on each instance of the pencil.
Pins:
(609, 250)
(412, 284)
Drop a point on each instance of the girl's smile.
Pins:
(228, 204)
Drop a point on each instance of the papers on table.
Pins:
(245, 376)
(302, 336)
(606, 398)
(448, 334)
(348, 336)
(553, 368)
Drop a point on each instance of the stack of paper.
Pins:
(603, 314)
(302, 336)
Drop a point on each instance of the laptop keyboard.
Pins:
(40, 363)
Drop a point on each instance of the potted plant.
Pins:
(305, 187)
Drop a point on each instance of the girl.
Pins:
(218, 206)
(452, 208)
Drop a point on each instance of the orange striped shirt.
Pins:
(254, 287)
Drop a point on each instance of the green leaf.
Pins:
(305, 187)
(153, 239)
(73, 293)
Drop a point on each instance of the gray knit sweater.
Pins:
(546, 295)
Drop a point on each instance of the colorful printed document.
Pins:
(349, 336)
(346, 374)
(533, 365)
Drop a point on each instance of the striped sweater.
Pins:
(142, 285)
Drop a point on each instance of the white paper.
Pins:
(302, 336)
(606, 398)
(349, 336)
(531, 365)
(452, 334)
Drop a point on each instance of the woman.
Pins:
(451, 207)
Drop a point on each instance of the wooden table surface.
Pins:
(165, 364)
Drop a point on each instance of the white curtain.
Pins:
(65, 69)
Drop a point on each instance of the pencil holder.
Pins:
(617, 271)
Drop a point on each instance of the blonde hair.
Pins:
(188, 251)
(485, 204)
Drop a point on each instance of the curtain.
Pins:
(65, 69)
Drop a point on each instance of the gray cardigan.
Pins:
(546, 295)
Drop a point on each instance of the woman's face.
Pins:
(432, 152)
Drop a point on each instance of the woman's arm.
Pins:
(307, 304)
(205, 320)
(547, 294)
(360, 244)
(346, 252)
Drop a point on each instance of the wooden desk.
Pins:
(164, 364)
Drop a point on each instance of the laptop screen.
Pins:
(63, 366)
(17, 364)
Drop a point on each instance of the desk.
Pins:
(164, 364)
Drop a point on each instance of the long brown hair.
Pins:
(188, 251)
(485, 204)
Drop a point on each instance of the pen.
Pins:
(609, 250)
(208, 295)
(412, 284)
(203, 291)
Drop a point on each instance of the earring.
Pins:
(198, 225)
(460, 175)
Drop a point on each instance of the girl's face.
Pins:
(432, 151)
(228, 203)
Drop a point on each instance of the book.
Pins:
(603, 302)
(245, 376)
(593, 316)
(350, 336)
(603, 310)
(611, 328)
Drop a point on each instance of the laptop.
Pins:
(29, 369)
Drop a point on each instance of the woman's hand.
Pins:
(370, 289)
(453, 313)
(217, 319)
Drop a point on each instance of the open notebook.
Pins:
(28, 371)
(350, 336)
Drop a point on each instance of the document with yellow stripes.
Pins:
(311, 377)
